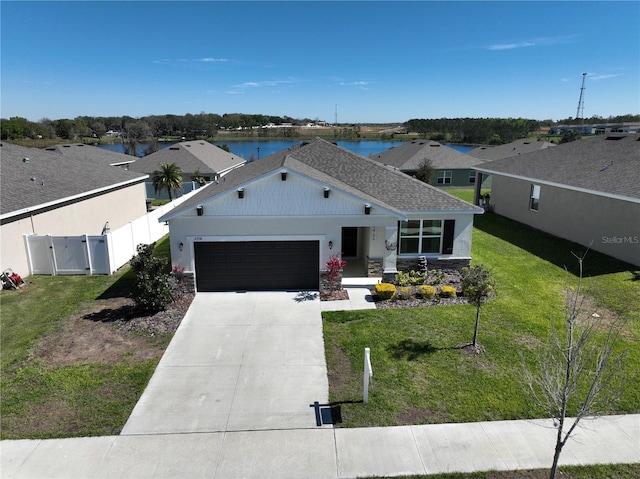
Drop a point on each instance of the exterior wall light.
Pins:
(181, 246)
(283, 175)
(241, 193)
(200, 210)
(330, 244)
(367, 209)
(326, 192)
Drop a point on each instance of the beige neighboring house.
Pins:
(452, 168)
(48, 193)
(586, 191)
(275, 222)
(199, 156)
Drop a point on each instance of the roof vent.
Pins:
(174, 148)
(527, 142)
(615, 137)
(188, 146)
(26, 160)
(434, 144)
(66, 146)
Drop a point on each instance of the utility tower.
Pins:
(580, 112)
(335, 118)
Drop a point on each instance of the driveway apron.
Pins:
(239, 361)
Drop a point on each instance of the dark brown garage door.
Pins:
(257, 265)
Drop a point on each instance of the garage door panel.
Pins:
(257, 265)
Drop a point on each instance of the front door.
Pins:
(350, 242)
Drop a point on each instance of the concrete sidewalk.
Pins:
(324, 453)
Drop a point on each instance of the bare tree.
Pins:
(580, 373)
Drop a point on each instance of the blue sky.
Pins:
(377, 61)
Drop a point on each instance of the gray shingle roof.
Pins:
(92, 154)
(408, 156)
(607, 164)
(342, 169)
(519, 147)
(21, 182)
(190, 156)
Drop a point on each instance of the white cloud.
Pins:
(511, 46)
(603, 77)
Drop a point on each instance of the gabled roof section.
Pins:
(606, 164)
(92, 155)
(341, 169)
(32, 178)
(191, 156)
(410, 155)
(519, 147)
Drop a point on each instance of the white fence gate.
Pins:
(96, 254)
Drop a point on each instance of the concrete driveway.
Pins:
(238, 362)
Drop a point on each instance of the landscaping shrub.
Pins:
(405, 292)
(427, 291)
(151, 291)
(385, 290)
(447, 291)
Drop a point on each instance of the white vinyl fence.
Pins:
(96, 254)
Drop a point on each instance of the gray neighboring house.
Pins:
(586, 191)
(452, 167)
(93, 155)
(275, 222)
(43, 192)
(191, 156)
(519, 147)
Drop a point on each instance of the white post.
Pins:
(368, 372)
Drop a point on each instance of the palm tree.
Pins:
(168, 177)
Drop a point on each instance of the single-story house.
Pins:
(92, 155)
(192, 157)
(275, 222)
(46, 193)
(452, 168)
(508, 150)
(586, 191)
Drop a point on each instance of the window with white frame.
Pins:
(444, 177)
(472, 176)
(534, 200)
(420, 236)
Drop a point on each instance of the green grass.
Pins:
(420, 375)
(75, 400)
(604, 471)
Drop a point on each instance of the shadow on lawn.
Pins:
(411, 349)
(548, 247)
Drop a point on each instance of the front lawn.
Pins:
(420, 375)
(66, 369)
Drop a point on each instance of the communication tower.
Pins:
(335, 118)
(580, 112)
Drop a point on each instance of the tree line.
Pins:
(494, 131)
(208, 125)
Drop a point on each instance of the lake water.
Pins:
(260, 149)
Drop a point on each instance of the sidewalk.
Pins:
(324, 453)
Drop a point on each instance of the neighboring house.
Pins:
(452, 168)
(275, 222)
(46, 193)
(191, 157)
(508, 150)
(586, 191)
(92, 155)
